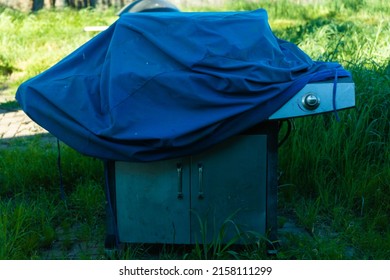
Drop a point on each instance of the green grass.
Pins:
(32, 212)
(31, 43)
(335, 176)
(339, 172)
(26, 225)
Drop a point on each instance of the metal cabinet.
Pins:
(228, 189)
(149, 209)
(218, 194)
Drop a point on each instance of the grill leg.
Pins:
(272, 189)
(111, 241)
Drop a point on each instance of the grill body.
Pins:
(224, 194)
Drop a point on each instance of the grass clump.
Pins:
(26, 226)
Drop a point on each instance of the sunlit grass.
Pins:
(31, 43)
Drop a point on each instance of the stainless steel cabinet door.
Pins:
(153, 201)
(228, 190)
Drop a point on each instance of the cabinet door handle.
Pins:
(200, 181)
(179, 181)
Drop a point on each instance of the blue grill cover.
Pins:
(163, 85)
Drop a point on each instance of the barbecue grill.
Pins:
(228, 192)
(185, 113)
(230, 189)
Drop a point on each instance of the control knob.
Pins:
(310, 101)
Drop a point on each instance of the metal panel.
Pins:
(150, 207)
(228, 189)
(171, 201)
(323, 92)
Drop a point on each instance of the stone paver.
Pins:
(15, 124)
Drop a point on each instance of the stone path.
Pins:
(15, 123)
